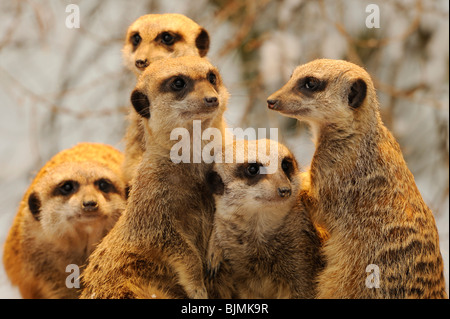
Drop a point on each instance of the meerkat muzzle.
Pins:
(272, 104)
(211, 101)
(142, 64)
(284, 191)
(90, 206)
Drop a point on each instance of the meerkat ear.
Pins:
(127, 191)
(357, 94)
(141, 103)
(215, 183)
(34, 204)
(202, 42)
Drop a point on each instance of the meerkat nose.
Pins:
(141, 64)
(272, 104)
(211, 101)
(284, 191)
(90, 206)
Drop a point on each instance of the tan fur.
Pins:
(191, 39)
(262, 242)
(305, 178)
(365, 195)
(159, 244)
(38, 250)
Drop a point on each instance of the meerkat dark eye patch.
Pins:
(140, 103)
(252, 169)
(180, 85)
(66, 188)
(215, 183)
(358, 92)
(287, 165)
(127, 191)
(212, 78)
(202, 42)
(105, 186)
(310, 85)
(168, 39)
(34, 204)
(135, 40)
(249, 172)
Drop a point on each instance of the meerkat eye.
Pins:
(104, 185)
(178, 84)
(66, 188)
(135, 39)
(312, 84)
(212, 78)
(286, 165)
(167, 38)
(252, 169)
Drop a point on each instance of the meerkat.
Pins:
(150, 38)
(158, 246)
(262, 234)
(73, 201)
(383, 238)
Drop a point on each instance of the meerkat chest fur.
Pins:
(182, 195)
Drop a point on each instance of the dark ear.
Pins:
(215, 183)
(141, 103)
(34, 204)
(202, 42)
(357, 94)
(127, 191)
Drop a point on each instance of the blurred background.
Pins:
(61, 86)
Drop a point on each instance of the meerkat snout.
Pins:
(90, 206)
(211, 101)
(272, 104)
(141, 64)
(284, 191)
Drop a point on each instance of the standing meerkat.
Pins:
(158, 247)
(72, 203)
(263, 239)
(153, 37)
(383, 238)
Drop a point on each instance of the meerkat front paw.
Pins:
(215, 261)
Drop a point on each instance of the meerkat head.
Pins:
(241, 188)
(171, 93)
(72, 198)
(156, 36)
(327, 92)
(79, 191)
